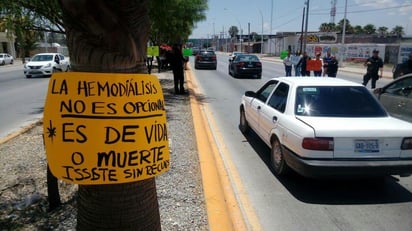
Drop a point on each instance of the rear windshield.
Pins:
(247, 58)
(207, 53)
(337, 101)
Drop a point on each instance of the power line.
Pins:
(363, 11)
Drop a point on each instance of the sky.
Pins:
(286, 15)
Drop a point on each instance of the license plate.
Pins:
(250, 65)
(366, 146)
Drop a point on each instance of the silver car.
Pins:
(45, 64)
(396, 97)
(6, 59)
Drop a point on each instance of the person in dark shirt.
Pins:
(374, 69)
(302, 64)
(177, 62)
(326, 59)
(333, 66)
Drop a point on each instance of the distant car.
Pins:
(6, 59)
(206, 59)
(327, 127)
(245, 65)
(233, 54)
(45, 64)
(396, 97)
(195, 51)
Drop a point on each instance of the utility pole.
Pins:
(344, 33)
(301, 31)
(270, 33)
(261, 37)
(306, 25)
(248, 37)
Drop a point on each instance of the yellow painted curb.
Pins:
(21, 131)
(222, 207)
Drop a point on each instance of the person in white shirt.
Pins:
(287, 61)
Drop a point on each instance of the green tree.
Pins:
(29, 20)
(111, 37)
(233, 31)
(383, 30)
(174, 20)
(358, 29)
(327, 27)
(171, 20)
(398, 31)
(349, 28)
(369, 29)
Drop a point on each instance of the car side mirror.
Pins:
(250, 94)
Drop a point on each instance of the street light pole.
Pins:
(261, 36)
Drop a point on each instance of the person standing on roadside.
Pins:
(326, 59)
(374, 69)
(295, 60)
(287, 62)
(333, 66)
(302, 63)
(177, 62)
(317, 65)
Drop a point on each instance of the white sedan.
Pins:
(327, 127)
(6, 59)
(45, 64)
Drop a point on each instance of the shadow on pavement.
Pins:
(335, 191)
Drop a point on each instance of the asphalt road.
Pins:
(294, 202)
(21, 99)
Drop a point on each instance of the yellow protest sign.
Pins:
(153, 51)
(105, 128)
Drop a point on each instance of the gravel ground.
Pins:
(23, 186)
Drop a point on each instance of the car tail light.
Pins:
(318, 143)
(406, 143)
(240, 64)
(214, 57)
(198, 57)
(258, 64)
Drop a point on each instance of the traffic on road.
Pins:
(295, 202)
(291, 202)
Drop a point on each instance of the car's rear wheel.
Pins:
(28, 76)
(243, 124)
(278, 162)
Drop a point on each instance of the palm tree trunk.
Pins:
(110, 37)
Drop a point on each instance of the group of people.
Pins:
(304, 64)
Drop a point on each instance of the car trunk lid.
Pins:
(362, 137)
